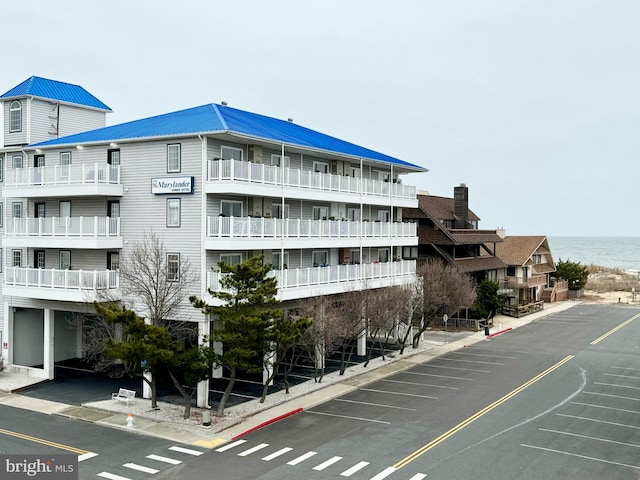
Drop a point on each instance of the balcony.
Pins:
(67, 232)
(298, 233)
(530, 282)
(266, 180)
(63, 181)
(306, 282)
(64, 285)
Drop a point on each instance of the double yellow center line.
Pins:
(474, 417)
(614, 330)
(42, 441)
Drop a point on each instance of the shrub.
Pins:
(573, 272)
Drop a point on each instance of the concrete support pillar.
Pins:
(8, 335)
(320, 351)
(146, 387)
(202, 393)
(49, 344)
(268, 367)
(217, 347)
(362, 340)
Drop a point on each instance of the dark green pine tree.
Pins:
(245, 318)
(488, 301)
(144, 348)
(574, 273)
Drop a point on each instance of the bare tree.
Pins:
(444, 290)
(382, 309)
(159, 288)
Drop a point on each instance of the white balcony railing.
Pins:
(63, 227)
(249, 227)
(336, 274)
(234, 170)
(85, 173)
(62, 279)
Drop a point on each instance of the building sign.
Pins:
(172, 185)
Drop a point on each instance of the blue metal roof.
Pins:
(213, 118)
(54, 90)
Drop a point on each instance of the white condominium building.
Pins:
(213, 182)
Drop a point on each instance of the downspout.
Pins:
(282, 210)
(361, 181)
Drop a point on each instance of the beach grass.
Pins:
(602, 279)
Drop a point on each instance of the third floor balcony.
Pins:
(260, 179)
(298, 233)
(63, 181)
(298, 283)
(65, 232)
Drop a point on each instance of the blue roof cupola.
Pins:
(53, 90)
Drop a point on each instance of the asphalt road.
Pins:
(558, 398)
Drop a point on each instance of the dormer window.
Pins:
(15, 116)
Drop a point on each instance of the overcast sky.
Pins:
(535, 105)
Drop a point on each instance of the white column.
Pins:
(146, 387)
(49, 343)
(217, 347)
(8, 337)
(320, 355)
(362, 340)
(202, 399)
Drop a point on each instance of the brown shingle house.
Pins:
(448, 230)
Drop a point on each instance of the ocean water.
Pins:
(612, 252)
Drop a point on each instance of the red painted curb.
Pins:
(268, 422)
(498, 333)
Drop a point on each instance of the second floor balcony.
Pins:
(63, 181)
(63, 232)
(298, 233)
(63, 285)
(296, 283)
(522, 282)
(260, 179)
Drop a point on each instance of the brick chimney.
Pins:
(461, 206)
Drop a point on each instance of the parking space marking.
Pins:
(598, 421)
(374, 404)
(469, 361)
(398, 393)
(605, 408)
(327, 463)
(602, 460)
(563, 322)
(606, 440)
(418, 476)
(449, 367)
(439, 376)
(615, 385)
(348, 417)
(620, 376)
(496, 350)
(484, 355)
(628, 368)
(419, 384)
(356, 468)
(612, 396)
(302, 458)
(112, 476)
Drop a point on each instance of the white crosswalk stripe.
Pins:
(140, 468)
(253, 450)
(418, 476)
(282, 451)
(302, 458)
(188, 451)
(354, 469)
(111, 476)
(327, 463)
(86, 456)
(229, 446)
(384, 474)
(160, 458)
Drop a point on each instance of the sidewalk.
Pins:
(168, 423)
